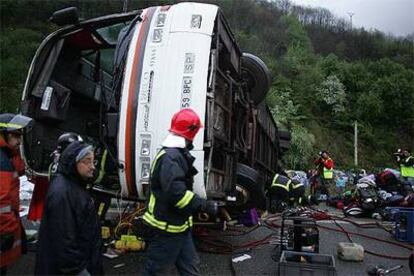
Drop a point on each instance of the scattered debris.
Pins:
(348, 251)
(110, 253)
(119, 265)
(241, 258)
(380, 270)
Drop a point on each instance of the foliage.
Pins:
(332, 92)
(301, 149)
(16, 55)
(284, 110)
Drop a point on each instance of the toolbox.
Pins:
(306, 264)
(404, 224)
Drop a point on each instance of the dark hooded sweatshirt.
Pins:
(69, 236)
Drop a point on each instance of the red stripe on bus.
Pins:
(132, 86)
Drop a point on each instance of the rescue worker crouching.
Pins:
(12, 235)
(63, 141)
(172, 201)
(285, 192)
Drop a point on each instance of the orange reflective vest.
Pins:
(11, 166)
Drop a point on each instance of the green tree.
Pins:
(17, 49)
(332, 93)
(301, 148)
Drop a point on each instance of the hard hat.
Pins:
(10, 122)
(66, 138)
(185, 123)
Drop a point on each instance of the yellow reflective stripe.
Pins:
(177, 229)
(297, 185)
(284, 186)
(101, 208)
(102, 167)
(151, 204)
(275, 179)
(162, 225)
(300, 200)
(160, 153)
(150, 219)
(10, 125)
(185, 200)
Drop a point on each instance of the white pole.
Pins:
(125, 7)
(350, 16)
(356, 144)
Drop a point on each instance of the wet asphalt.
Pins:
(263, 259)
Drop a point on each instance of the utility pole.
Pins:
(350, 16)
(125, 7)
(356, 144)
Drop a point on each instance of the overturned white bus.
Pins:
(118, 79)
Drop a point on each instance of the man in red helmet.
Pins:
(172, 201)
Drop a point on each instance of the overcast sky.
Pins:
(388, 16)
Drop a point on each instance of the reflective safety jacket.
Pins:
(172, 201)
(328, 168)
(325, 167)
(11, 167)
(407, 167)
(281, 182)
(286, 189)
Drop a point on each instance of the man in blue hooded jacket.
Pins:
(69, 236)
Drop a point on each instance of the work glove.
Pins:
(210, 207)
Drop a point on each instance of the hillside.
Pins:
(326, 75)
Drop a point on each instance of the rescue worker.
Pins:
(406, 163)
(324, 165)
(172, 201)
(285, 192)
(70, 233)
(63, 141)
(12, 234)
(279, 193)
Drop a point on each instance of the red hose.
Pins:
(347, 233)
(320, 215)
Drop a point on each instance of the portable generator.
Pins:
(299, 234)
